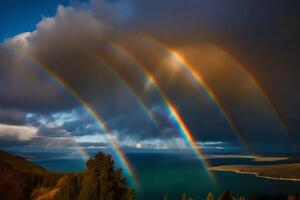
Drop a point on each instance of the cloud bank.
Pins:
(78, 50)
(18, 133)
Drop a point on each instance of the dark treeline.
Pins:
(227, 195)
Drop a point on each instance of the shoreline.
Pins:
(254, 173)
(257, 158)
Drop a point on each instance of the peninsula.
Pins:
(288, 172)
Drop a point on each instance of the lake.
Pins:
(174, 173)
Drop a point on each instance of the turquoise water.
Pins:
(173, 174)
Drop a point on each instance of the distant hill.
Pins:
(21, 179)
(19, 163)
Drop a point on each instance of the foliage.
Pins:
(184, 197)
(165, 197)
(22, 180)
(226, 195)
(210, 196)
(98, 182)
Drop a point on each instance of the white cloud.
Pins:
(20, 133)
(91, 138)
(21, 39)
(154, 143)
(62, 117)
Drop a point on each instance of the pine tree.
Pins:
(89, 189)
(105, 178)
(101, 182)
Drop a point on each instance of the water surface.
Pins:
(175, 173)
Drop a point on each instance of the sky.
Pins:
(159, 74)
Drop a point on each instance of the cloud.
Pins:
(20, 39)
(51, 142)
(113, 11)
(17, 133)
(153, 143)
(23, 77)
(12, 117)
(35, 131)
(93, 145)
(91, 139)
(19, 83)
(76, 46)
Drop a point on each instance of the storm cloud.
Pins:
(77, 56)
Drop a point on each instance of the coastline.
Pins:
(242, 171)
(257, 158)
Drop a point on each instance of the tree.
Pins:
(21, 180)
(184, 197)
(129, 195)
(165, 197)
(99, 182)
(210, 196)
(89, 187)
(69, 186)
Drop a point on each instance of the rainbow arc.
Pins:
(200, 82)
(179, 122)
(126, 165)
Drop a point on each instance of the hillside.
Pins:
(21, 179)
(19, 163)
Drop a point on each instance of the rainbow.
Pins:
(186, 132)
(199, 81)
(246, 73)
(89, 109)
(181, 126)
(134, 94)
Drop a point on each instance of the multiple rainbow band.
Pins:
(246, 73)
(179, 122)
(198, 81)
(93, 113)
(132, 92)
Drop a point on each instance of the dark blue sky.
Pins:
(17, 16)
